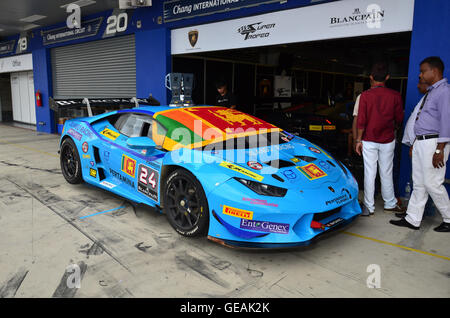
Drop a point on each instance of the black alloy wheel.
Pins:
(185, 204)
(70, 162)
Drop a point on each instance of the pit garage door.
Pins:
(105, 68)
(22, 94)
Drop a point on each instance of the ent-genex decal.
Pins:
(239, 169)
(265, 226)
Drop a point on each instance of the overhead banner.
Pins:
(183, 9)
(87, 29)
(7, 47)
(341, 19)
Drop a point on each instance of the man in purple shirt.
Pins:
(431, 148)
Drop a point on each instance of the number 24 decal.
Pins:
(150, 180)
(117, 23)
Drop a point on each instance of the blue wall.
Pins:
(42, 82)
(153, 62)
(430, 37)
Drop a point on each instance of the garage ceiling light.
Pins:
(80, 3)
(33, 18)
(30, 26)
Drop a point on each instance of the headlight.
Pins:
(263, 189)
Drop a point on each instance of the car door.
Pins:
(137, 168)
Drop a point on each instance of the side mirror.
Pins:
(141, 143)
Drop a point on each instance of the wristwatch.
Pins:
(438, 151)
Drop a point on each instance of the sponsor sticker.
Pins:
(93, 173)
(311, 171)
(334, 222)
(86, 156)
(290, 174)
(344, 196)
(315, 127)
(122, 178)
(107, 184)
(85, 147)
(314, 150)
(106, 155)
(239, 213)
(111, 134)
(265, 226)
(74, 134)
(148, 181)
(295, 160)
(254, 165)
(329, 127)
(239, 169)
(128, 165)
(259, 202)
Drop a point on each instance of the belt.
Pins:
(423, 137)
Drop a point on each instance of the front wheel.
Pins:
(185, 204)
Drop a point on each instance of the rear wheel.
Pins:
(185, 204)
(70, 162)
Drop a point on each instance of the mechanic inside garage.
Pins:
(224, 156)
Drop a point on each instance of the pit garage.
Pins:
(52, 230)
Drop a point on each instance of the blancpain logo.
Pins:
(372, 17)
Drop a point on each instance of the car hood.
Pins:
(291, 165)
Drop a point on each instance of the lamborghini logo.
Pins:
(193, 37)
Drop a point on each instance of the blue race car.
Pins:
(213, 171)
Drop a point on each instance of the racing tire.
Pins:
(185, 204)
(70, 162)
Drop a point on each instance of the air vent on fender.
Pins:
(306, 158)
(279, 163)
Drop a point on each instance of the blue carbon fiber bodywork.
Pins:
(317, 187)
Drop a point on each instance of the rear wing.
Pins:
(59, 104)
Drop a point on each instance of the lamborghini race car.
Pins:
(213, 171)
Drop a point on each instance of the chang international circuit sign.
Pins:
(183, 9)
(87, 29)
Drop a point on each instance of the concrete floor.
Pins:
(131, 252)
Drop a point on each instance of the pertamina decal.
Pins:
(128, 166)
(239, 213)
(239, 169)
(111, 134)
(311, 171)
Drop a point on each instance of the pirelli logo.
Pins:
(239, 169)
(239, 213)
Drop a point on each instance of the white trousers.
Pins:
(374, 153)
(427, 180)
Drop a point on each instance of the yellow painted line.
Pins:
(397, 245)
(28, 148)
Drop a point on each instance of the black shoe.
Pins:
(401, 215)
(404, 223)
(444, 227)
